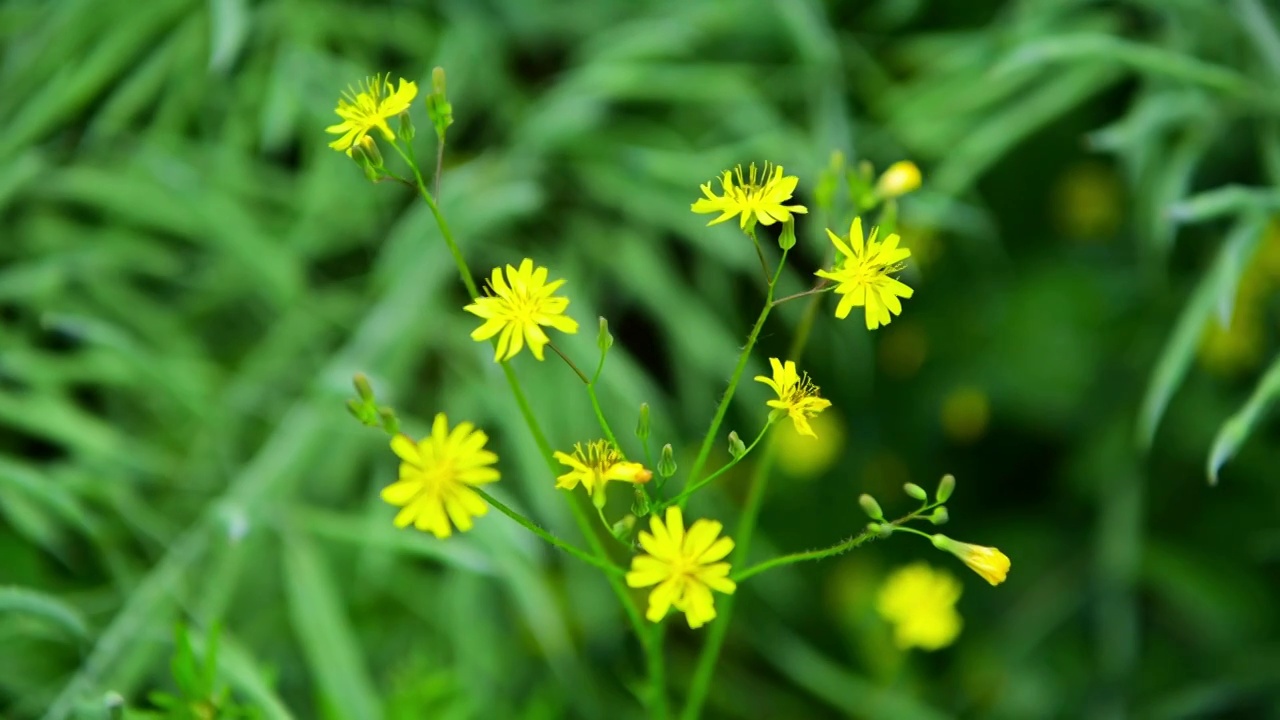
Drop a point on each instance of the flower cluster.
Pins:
(441, 477)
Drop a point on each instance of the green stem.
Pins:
(698, 485)
(764, 264)
(657, 675)
(570, 363)
(821, 288)
(531, 527)
(579, 515)
(718, 419)
(604, 424)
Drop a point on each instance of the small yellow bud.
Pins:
(901, 178)
(988, 562)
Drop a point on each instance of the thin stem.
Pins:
(764, 264)
(531, 527)
(705, 451)
(657, 675)
(604, 424)
(439, 165)
(699, 485)
(582, 376)
(706, 665)
(539, 438)
(847, 545)
(820, 288)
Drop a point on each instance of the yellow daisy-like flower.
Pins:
(988, 562)
(436, 476)
(369, 106)
(521, 303)
(863, 275)
(596, 465)
(797, 395)
(685, 566)
(921, 604)
(755, 198)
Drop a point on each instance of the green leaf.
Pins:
(32, 602)
(328, 641)
(1236, 429)
(1215, 292)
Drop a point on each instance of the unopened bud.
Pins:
(363, 388)
(883, 530)
(604, 340)
(437, 80)
(114, 704)
(642, 426)
(640, 507)
(870, 507)
(946, 486)
(915, 491)
(787, 239)
(667, 462)
(407, 131)
(366, 413)
(622, 528)
(439, 108)
(390, 422)
(939, 516)
(736, 447)
(899, 179)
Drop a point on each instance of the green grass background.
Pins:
(189, 278)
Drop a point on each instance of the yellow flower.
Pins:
(596, 465)
(436, 475)
(686, 567)
(755, 198)
(863, 275)
(797, 395)
(520, 305)
(988, 562)
(370, 106)
(899, 179)
(921, 604)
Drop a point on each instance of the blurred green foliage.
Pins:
(189, 278)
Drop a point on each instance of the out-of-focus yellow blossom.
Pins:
(808, 456)
(988, 562)
(1088, 201)
(597, 464)
(966, 411)
(921, 604)
(899, 179)
(436, 475)
(754, 198)
(520, 305)
(1239, 345)
(370, 106)
(797, 395)
(862, 275)
(685, 566)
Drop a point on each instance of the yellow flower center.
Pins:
(801, 390)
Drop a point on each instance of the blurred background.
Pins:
(189, 278)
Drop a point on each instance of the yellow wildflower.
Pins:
(521, 303)
(436, 476)
(921, 604)
(685, 567)
(988, 562)
(369, 107)
(755, 198)
(899, 179)
(596, 465)
(797, 395)
(863, 275)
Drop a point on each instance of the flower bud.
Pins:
(642, 426)
(940, 516)
(870, 507)
(640, 506)
(915, 491)
(667, 462)
(736, 447)
(363, 388)
(946, 486)
(604, 340)
(882, 530)
(622, 528)
(366, 413)
(787, 239)
(988, 562)
(407, 131)
(899, 179)
(390, 422)
(439, 109)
